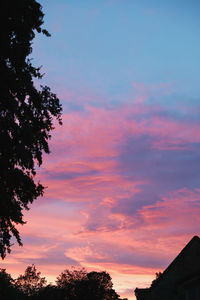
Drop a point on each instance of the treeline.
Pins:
(70, 285)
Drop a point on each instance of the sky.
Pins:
(123, 181)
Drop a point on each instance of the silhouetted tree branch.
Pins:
(26, 115)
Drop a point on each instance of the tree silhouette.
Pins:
(71, 285)
(6, 284)
(7, 287)
(159, 276)
(26, 115)
(30, 283)
(80, 285)
(71, 277)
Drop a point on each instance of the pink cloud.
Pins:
(97, 132)
(84, 166)
(111, 203)
(170, 214)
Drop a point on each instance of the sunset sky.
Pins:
(123, 175)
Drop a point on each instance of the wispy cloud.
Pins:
(123, 192)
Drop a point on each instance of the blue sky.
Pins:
(110, 44)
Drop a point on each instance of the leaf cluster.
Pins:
(26, 115)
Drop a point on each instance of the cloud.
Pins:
(123, 192)
(122, 163)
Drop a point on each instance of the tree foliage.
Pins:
(81, 285)
(6, 283)
(7, 287)
(30, 283)
(71, 285)
(71, 277)
(26, 115)
(159, 276)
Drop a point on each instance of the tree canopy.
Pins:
(81, 285)
(31, 282)
(71, 285)
(26, 115)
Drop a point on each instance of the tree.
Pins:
(8, 289)
(51, 292)
(103, 279)
(80, 285)
(26, 115)
(71, 277)
(30, 283)
(6, 284)
(159, 276)
(69, 282)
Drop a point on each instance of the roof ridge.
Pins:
(195, 238)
